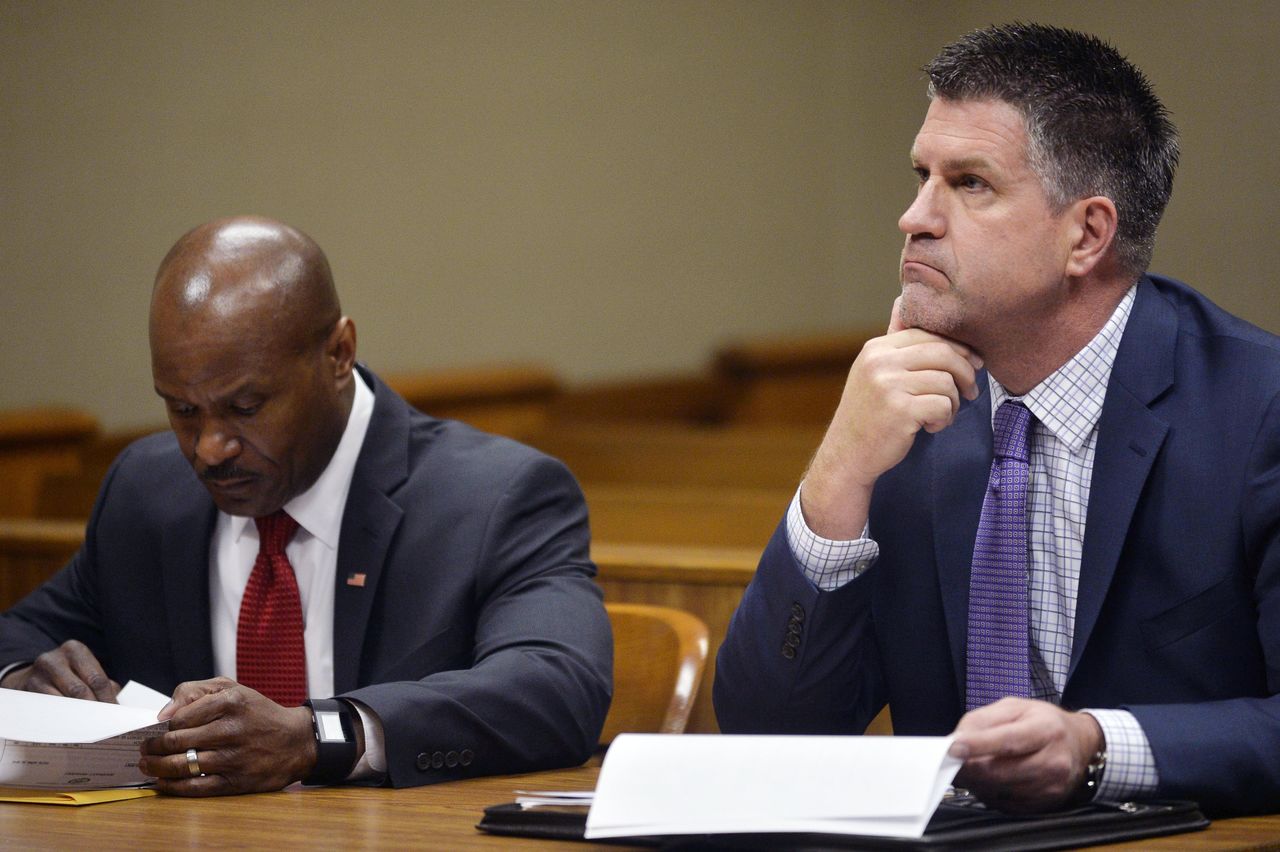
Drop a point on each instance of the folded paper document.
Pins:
(52, 742)
(654, 784)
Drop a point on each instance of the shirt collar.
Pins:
(319, 509)
(1069, 401)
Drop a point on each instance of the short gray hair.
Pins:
(1094, 125)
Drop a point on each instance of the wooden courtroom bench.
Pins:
(685, 515)
(790, 380)
(786, 380)
(686, 398)
(35, 443)
(768, 457)
(513, 400)
(31, 551)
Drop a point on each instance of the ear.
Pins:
(1093, 227)
(340, 350)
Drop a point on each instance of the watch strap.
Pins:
(334, 756)
(1092, 778)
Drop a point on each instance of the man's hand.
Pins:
(71, 669)
(1022, 755)
(906, 381)
(244, 741)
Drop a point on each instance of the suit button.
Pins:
(437, 760)
(464, 757)
(424, 761)
(793, 640)
(788, 652)
(794, 627)
(797, 611)
(451, 759)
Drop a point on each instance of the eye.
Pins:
(178, 409)
(972, 182)
(922, 174)
(245, 410)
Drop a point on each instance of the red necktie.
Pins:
(270, 654)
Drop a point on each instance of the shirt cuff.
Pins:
(371, 768)
(13, 667)
(1131, 767)
(828, 563)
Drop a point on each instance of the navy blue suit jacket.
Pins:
(1178, 617)
(479, 638)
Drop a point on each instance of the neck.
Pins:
(1022, 360)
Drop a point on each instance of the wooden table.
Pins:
(442, 816)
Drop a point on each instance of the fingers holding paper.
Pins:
(1022, 755)
(244, 742)
(71, 669)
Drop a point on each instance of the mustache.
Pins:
(919, 250)
(224, 471)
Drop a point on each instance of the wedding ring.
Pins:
(193, 765)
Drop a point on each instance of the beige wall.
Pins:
(607, 187)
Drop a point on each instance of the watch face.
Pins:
(329, 723)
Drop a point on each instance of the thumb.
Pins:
(895, 317)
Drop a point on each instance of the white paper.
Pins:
(709, 783)
(68, 744)
(134, 694)
(558, 798)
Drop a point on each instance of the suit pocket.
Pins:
(1220, 601)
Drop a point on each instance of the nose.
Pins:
(216, 444)
(924, 217)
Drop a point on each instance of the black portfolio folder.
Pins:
(953, 827)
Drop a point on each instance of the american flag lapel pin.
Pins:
(356, 580)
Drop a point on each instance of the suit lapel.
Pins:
(369, 522)
(961, 463)
(1129, 438)
(184, 557)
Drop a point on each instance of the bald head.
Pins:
(253, 358)
(243, 271)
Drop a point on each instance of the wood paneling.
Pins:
(513, 400)
(35, 443)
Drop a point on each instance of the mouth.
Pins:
(919, 272)
(232, 485)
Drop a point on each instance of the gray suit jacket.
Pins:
(478, 638)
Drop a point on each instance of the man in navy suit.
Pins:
(1152, 559)
(442, 587)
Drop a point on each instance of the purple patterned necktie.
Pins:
(999, 661)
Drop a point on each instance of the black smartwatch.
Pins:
(333, 721)
(1092, 779)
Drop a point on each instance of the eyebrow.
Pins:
(963, 164)
(250, 388)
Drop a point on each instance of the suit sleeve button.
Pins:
(437, 760)
(424, 761)
(464, 757)
(451, 759)
(788, 652)
(797, 611)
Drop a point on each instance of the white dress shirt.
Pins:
(1067, 406)
(313, 552)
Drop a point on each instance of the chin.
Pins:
(921, 308)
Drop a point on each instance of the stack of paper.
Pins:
(47, 741)
(704, 784)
